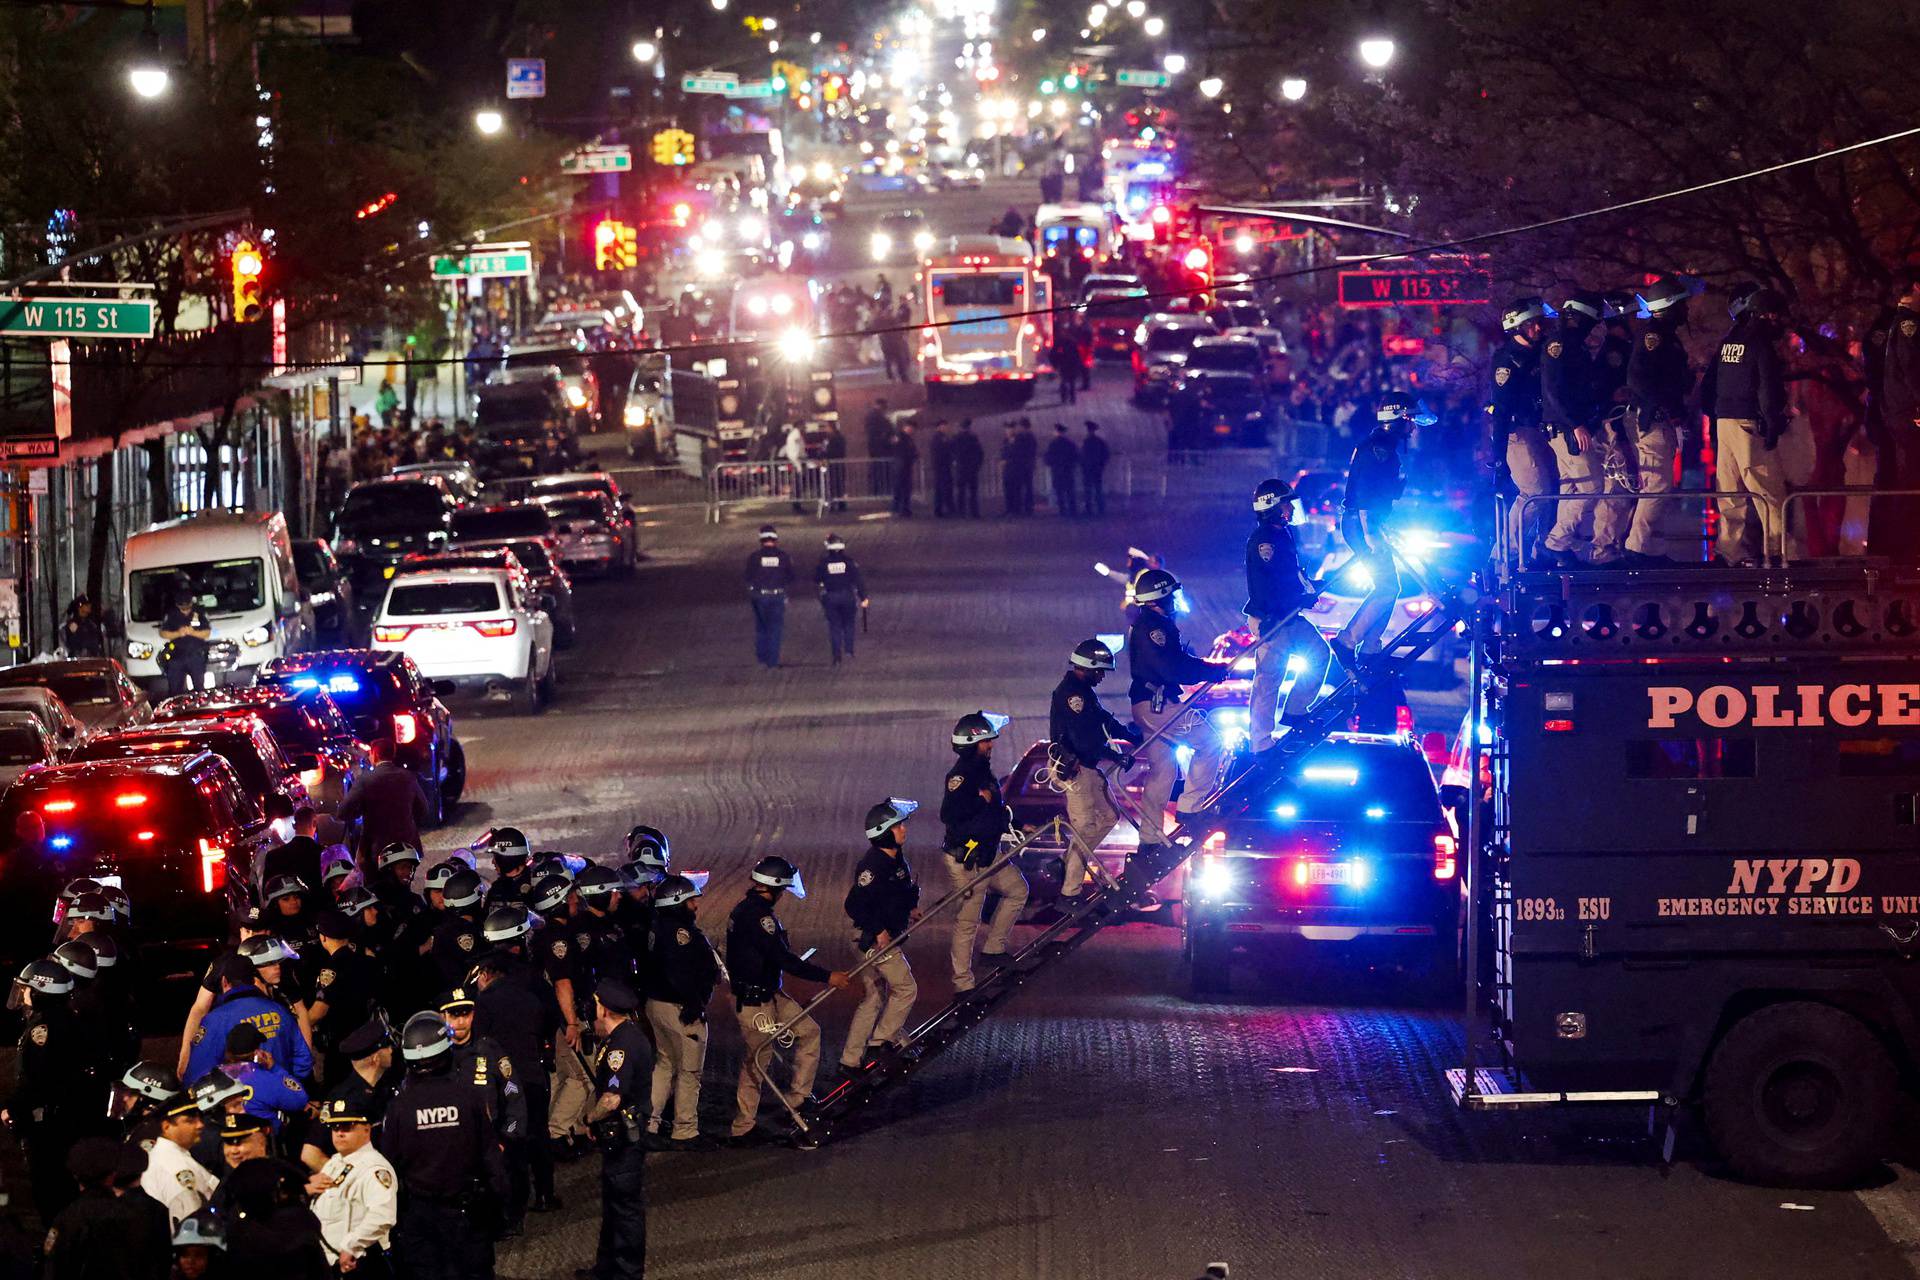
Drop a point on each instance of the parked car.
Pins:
(329, 590)
(480, 630)
(502, 520)
(592, 532)
(457, 474)
(395, 710)
(1114, 316)
(317, 739)
(66, 729)
(179, 833)
(1219, 396)
(523, 423)
(24, 743)
(540, 557)
(241, 739)
(382, 521)
(97, 690)
(1160, 347)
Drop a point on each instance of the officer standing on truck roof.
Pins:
(1745, 395)
(1659, 380)
(1570, 409)
(769, 575)
(1522, 459)
(1081, 733)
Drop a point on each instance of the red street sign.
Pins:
(1414, 288)
(26, 448)
(1397, 344)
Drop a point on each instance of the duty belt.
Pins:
(770, 591)
(744, 996)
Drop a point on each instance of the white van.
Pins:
(239, 567)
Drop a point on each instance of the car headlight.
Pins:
(1214, 879)
(782, 304)
(636, 415)
(254, 637)
(882, 244)
(710, 263)
(576, 398)
(796, 345)
(822, 171)
(810, 241)
(750, 228)
(923, 240)
(139, 649)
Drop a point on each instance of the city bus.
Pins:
(985, 303)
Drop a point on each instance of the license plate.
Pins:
(1329, 873)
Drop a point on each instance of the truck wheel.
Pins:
(1209, 965)
(1800, 1094)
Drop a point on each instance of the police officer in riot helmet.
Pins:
(678, 976)
(511, 856)
(456, 942)
(976, 819)
(769, 574)
(143, 1095)
(1744, 394)
(54, 1101)
(1522, 459)
(1278, 593)
(617, 1121)
(1659, 382)
(440, 1137)
(1571, 409)
(1375, 482)
(883, 902)
(1082, 734)
(1161, 664)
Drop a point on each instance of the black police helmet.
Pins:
(775, 872)
(645, 844)
(213, 1089)
(509, 847)
(597, 881)
(90, 906)
(1661, 296)
(1092, 655)
(47, 978)
(887, 815)
(463, 889)
(674, 890)
(205, 1228)
(1522, 311)
(548, 892)
(1767, 302)
(1588, 307)
(506, 922)
(1739, 298)
(106, 952)
(396, 853)
(978, 726)
(285, 887)
(1155, 585)
(265, 949)
(152, 1081)
(425, 1038)
(1272, 495)
(77, 958)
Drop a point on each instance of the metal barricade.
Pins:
(1848, 494)
(1506, 555)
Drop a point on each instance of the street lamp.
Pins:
(489, 121)
(1211, 86)
(1377, 52)
(645, 51)
(1293, 88)
(1136, 8)
(1154, 26)
(147, 73)
(1039, 34)
(1174, 63)
(719, 6)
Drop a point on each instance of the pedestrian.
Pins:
(81, 635)
(974, 815)
(793, 452)
(1522, 459)
(833, 460)
(769, 574)
(1570, 408)
(389, 802)
(181, 1184)
(356, 1195)
(878, 427)
(1160, 666)
(941, 449)
(1063, 465)
(1094, 455)
(757, 956)
(1081, 734)
(618, 1069)
(679, 976)
(1067, 363)
(441, 1142)
(906, 456)
(299, 856)
(109, 1229)
(843, 594)
(1744, 395)
(883, 901)
(1374, 483)
(187, 633)
(968, 458)
(1278, 594)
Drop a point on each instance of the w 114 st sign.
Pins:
(1414, 288)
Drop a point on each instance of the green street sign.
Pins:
(75, 318)
(710, 82)
(485, 262)
(757, 89)
(614, 159)
(1132, 79)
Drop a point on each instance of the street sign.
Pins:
(30, 448)
(710, 82)
(1402, 345)
(612, 159)
(1414, 288)
(486, 260)
(756, 89)
(1133, 79)
(76, 318)
(526, 77)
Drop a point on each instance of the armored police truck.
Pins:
(1699, 856)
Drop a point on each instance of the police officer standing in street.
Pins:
(1081, 734)
(1570, 408)
(1659, 380)
(1160, 665)
(617, 1127)
(356, 1195)
(757, 955)
(679, 976)
(884, 900)
(1278, 592)
(769, 575)
(976, 817)
(1744, 394)
(440, 1138)
(1522, 458)
(51, 1102)
(481, 1059)
(843, 593)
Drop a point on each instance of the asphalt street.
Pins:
(1100, 1125)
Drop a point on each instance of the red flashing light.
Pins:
(130, 799)
(1445, 859)
(1300, 872)
(1558, 726)
(406, 727)
(213, 866)
(1197, 258)
(1403, 719)
(145, 837)
(368, 210)
(59, 806)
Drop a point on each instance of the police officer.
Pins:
(1374, 484)
(554, 953)
(1744, 394)
(1161, 664)
(616, 1124)
(882, 902)
(359, 1200)
(181, 1184)
(646, 865)
(843, 593)
(976, 818)
(511, 856)
(599, 891)
(480, 1059)
(371, 1079)
(52, 1099)
(769, 574)
(1659, 380)
(1081, 732)
(679, 977)
(141, 1100)
(1570, 409)
(1278, 592)
(287, 914)
(344, 982)
(456, 942)
(440, 1138)
(516, 1008)
(1616, 347)
(1522, 459)
(757, 955)
(1894, 397)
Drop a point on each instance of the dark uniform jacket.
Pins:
(519, 1013)
(838, 575)
(974, 822)
(1079, 727)
(374, 1097)
(101, 1236)
(1658, 376)
(1900, 373)
(1374, 480)
(968, 454)
(1276, 585)
(1610, 366)
(439, 1135)
(1569, 380)
(883, 896)
(1516, 392)
(482, 1061)
(769, 571)
(456, 945)
(1160, 662)
(1093, 457)
(1873, 360)
(346, 981)
(1745, 378)
(391, 805)
(681, 968)
(57, 1087)
(624, 1065)
(758, 953)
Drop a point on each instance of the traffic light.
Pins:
(616, 246)
(247, 265)
(672, 147)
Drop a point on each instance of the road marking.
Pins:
(1896, 1207)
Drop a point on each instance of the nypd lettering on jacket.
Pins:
(436, 1117)
(1781, 706)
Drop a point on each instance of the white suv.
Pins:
(482, 629)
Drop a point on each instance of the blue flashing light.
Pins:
(343, 683)
(1344, 775)
(61, 842)
(1150, 169)
(1287, 811)
(1376, 812)
(305, 682)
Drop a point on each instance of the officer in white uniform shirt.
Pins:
(356, 1194)
(173, 1177)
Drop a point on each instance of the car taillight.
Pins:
(312, 778)
(213, 866)
(386, 634)
(144, 837)
(1403, 720)
(1445, 864)
(495, 626)
(406, 727)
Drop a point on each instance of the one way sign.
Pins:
(526, 77)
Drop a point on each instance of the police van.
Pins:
(1698, 858)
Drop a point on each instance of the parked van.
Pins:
(238, 565)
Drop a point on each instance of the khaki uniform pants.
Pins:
(1190, 728)
(1743, 463)
(1637, 524)
(572, 1093)
(1091, 816)
(884, 1009)
(1579, 474)
(806, 1057)
(679, 1052)
(1012, 888)
(1530, 462)
(1298, 637)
